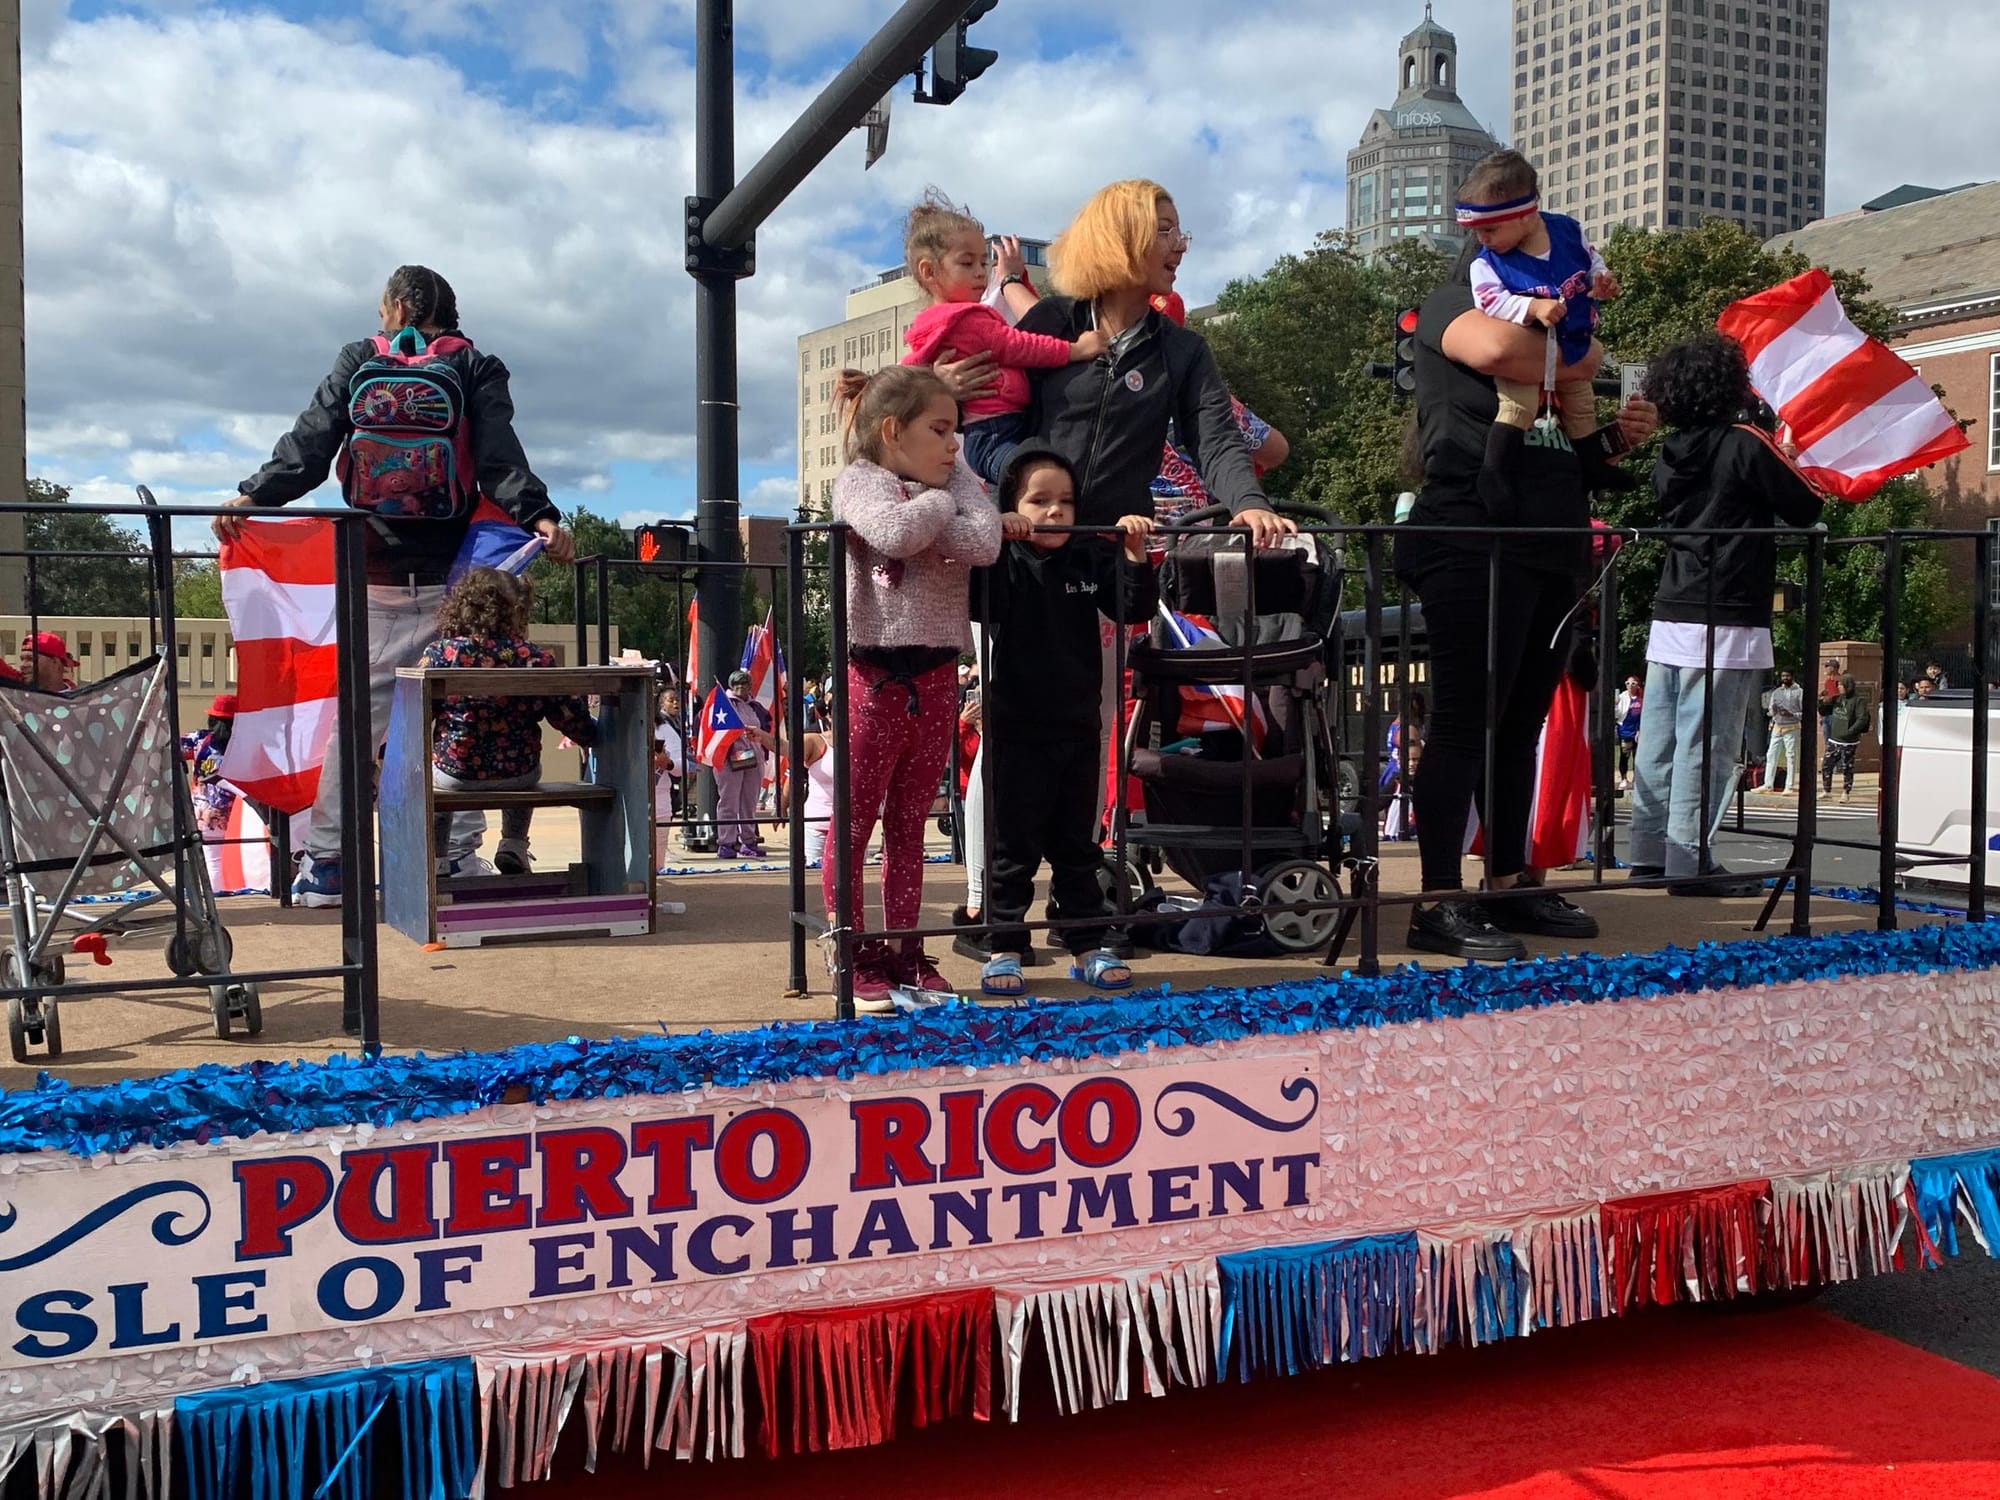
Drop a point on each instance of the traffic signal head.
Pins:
(954, 61)
(1403, 375)
(660, 543)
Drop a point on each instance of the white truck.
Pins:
(1934, 787)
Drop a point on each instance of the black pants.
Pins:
(1045, 802)
(1523, 670)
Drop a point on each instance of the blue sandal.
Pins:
(1094, 969)
(1002, 977)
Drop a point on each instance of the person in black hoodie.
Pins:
(1720, 475)
(1480, 476)
(1043, 682)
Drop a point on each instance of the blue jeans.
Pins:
(1667, 786)
(991, 441)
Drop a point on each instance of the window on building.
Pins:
(1993, 417)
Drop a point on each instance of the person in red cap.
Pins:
(214, 798)
(47, 663)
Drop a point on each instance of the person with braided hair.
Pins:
(421, 424)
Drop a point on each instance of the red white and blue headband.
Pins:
(1479, 215)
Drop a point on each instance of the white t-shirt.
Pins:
(668, 738)
(1684, 643)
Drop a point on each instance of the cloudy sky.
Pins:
(216, 191)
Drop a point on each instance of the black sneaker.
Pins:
(1542, 913)
(1719, 882)
(1459, 929)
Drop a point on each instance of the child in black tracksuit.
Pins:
(1040, 605)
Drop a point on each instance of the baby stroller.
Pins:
(1229, 612)
(94, 801)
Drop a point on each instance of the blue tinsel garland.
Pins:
(214, 1101)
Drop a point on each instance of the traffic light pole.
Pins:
(722, 218)
(717, 484)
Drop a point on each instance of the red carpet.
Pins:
(1684, 1405)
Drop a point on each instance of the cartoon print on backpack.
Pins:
(409, 455)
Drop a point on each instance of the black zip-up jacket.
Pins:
(1040, 610)
(407, 551)
(1108, 416)
(1730, 479)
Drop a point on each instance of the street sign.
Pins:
(1631, 380)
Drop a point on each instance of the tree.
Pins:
(647, 607)
(83, 585)
(1676, 285)
(198, 590)
(1293, 344)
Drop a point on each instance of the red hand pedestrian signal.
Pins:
(649, 545)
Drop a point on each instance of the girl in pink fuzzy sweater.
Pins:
(919, 522)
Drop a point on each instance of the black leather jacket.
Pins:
(1109, 416)
(402, 551)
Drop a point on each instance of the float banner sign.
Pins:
(198, 1245)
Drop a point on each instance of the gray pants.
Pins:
(401, 622)
(736, 805)
(514, 821)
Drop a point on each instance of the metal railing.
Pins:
(1386, 617)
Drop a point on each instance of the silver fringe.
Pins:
(1553, 1276)
(679, 1393)
(1094, 1332)
(73, 1454)
(1839, 1225)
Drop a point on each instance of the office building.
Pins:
(1402, 180)
(869, 337)
(1666, 113)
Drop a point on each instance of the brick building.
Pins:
(1934, 256)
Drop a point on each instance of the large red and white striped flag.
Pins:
(1858, 414)
(277, 589)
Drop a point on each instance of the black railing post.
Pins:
(1488, 840)
(794, 709)
(603, 610)
(1982, 674)
(1886, 789)
(1703, 858)
(1604, 759)
(1810, 749)
(1371, 765)
(360, 1010)
(576, 576)
(839, 847)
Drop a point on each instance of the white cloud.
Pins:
(215, 194)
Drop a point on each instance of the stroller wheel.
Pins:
(33, 1021)
(51, 1026)
(944, 824)
(233, 1002)
(1137, 875)
(205, 950)
(1292, 881)
(17, 1030)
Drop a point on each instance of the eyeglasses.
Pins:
(1180, 239)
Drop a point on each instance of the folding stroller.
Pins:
(94, 802)
(1231, 614)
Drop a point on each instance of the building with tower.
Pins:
(1403, 178)
(1664, 113)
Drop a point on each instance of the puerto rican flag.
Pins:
(764, 660)
(720, 731)
(277, 589)
(1857, 413)
(1206, 706)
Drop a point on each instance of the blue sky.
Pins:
(216, 191)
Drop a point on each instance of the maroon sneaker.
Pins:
(876, 973)
(916, 970)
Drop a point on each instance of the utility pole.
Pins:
(721, 221)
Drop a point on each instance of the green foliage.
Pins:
(198, 590)
(1854, 593)
(84, 585)
(1293, 344)
(649, 610)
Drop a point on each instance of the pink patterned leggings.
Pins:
(899, 737)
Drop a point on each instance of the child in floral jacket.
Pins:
(494, 744)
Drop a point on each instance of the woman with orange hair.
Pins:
(1109, 416)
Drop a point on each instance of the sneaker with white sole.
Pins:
(465, 867)
(512, 857)
(318, 882)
